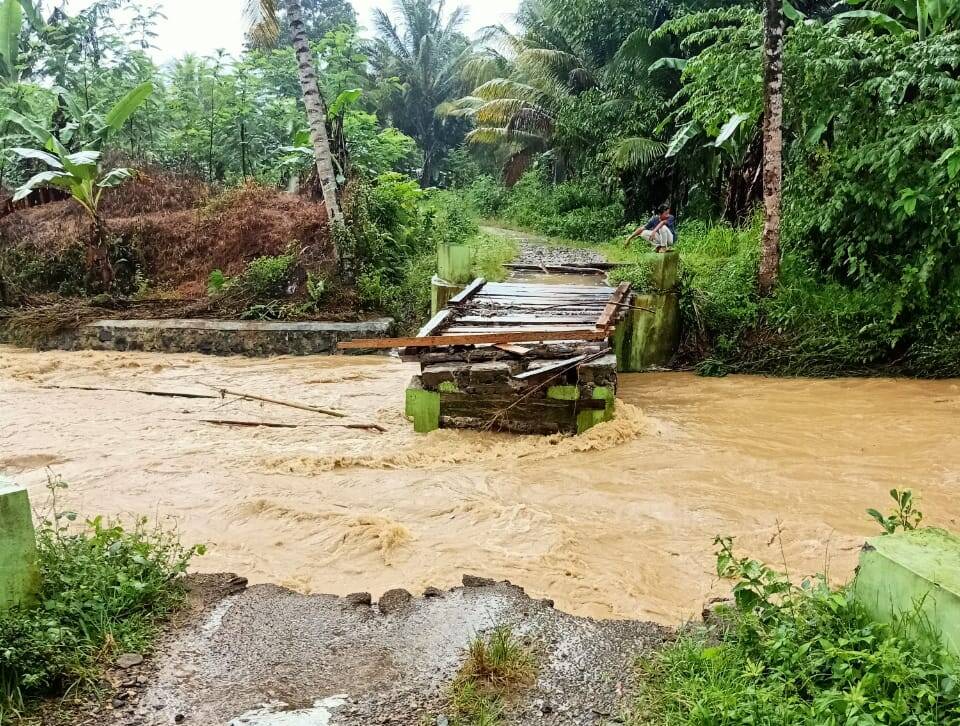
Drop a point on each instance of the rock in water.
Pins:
(433, 592)
(359, 598)
(474, 581)
(393, 600)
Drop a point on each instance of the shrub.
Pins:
(105, 588)
(494, 667)
(797, 655)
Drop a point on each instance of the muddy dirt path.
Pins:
(616, 523)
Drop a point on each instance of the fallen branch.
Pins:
(276, 425)
(289, 404)
(170, 394)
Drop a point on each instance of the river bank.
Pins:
(615, 524)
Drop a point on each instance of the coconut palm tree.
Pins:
(426, 50)
(773, 29)
(263, 20)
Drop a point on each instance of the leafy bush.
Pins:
(578, 209)
(797, 655)
(105, 588)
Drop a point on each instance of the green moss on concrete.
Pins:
(440, 293)
(455, 263)
(19, 569)
(589, 419)
(447, 387)
(563, 393)
(664, 271)
(423, 408)
(646, 339)
(913, 572)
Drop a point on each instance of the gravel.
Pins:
(269, 655)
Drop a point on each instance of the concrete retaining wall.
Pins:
(218, 337)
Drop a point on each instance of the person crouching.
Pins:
(660, 231)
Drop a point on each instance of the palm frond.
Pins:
(506, 88)
(490, 136)
(263, 26)
(635, 152)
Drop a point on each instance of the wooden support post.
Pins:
(19, 569)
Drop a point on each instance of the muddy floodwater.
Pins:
(616, 523)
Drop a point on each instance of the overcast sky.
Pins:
(202, 26)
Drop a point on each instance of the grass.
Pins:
(490, 254)
(106, 588)
(494, 668)
(784, 655)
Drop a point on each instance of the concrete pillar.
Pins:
(455, 263)
(917, 573)
(19, 569)
(422, 407)
(441, 292)
(649, 337)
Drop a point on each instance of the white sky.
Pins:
(202, 26)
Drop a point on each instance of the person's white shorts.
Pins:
(663, 237)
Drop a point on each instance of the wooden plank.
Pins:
(467, 292)
(613, 307)
(558, 365)
(565, 268)
(516, 286)
(517, 350)
(476, 329)
(435, 322)
(507, 318)
(433, 341)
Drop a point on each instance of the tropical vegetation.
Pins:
(576, 121)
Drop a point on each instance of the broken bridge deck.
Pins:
(522, 357)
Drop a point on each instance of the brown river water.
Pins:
(616, 523)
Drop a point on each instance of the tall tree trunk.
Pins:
(316, 114)
(772, 144)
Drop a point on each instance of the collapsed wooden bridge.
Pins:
(522, 357)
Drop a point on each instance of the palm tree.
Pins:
(773, 29)
(426, 49)
(265, 29)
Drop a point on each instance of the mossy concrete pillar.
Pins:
(649, 333)
(440, 293)
(913, 573)
(19, 569)
(455, 263)
(422, 407)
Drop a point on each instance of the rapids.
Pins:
(617, 523)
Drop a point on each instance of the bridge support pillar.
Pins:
(19, 569)
(913, 573)
(649, 334)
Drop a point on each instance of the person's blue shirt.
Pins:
(671, 224)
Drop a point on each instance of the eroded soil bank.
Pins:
(267, 656)
(617, 523)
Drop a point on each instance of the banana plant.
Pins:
(80, 173)
(12, 16)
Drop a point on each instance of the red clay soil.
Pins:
(182, 230)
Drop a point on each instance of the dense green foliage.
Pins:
(871, 265)
(105, 589)
(797, 655)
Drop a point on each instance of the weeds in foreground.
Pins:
(494, 667)
(105, 588)
(785, 654)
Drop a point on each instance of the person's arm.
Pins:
(632, 237)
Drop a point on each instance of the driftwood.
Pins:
(278, 402)
(276, 425)
(170, 394)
